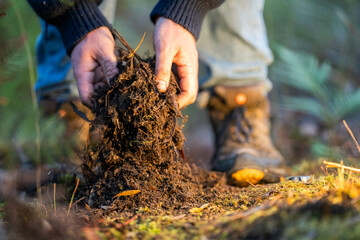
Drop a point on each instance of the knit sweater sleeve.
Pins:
(73, 18)
(187, 13)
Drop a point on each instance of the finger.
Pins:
(98, 85)
(163, 65)
(99, 79)
(99, 74)
(109, 66)
(189, 88)
(85, 85)
(188, 73)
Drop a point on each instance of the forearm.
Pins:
(187, 13)
(73, 18)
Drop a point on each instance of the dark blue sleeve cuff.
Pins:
(78, 21)
(187, 13)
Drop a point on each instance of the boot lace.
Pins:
(242, 125)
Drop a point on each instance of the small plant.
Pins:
(314, 92)
(327, 101)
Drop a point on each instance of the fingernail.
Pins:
(161, 86)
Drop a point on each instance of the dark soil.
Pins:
(136, 143)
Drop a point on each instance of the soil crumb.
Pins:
(134, 158)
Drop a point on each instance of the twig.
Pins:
(79, 113)
(120, 225)
(352, 135)
(123, 42)
(72, 197)
(55, 198)
(338, 165)
(250, 183)
(79, 200)
(142, 39)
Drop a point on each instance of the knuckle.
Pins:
(163, 72)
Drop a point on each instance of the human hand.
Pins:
(174, 44)
(94, 62)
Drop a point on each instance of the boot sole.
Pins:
(247, 176)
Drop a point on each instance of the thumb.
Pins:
(163, 69)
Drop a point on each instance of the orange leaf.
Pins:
(127, 193)
(197, 210)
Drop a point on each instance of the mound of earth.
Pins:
(134, 158)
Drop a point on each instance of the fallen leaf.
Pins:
(87, 207)
(127, 193)
(199, 209)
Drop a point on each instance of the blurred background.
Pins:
(316, 45)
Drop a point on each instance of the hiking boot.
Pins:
(244, 150)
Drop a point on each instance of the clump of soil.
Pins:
(136, 144)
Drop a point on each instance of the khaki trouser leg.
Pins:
(233, 46)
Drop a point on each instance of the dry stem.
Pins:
(338, 165)
(72, 197)
(352, 135)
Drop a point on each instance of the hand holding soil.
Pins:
(174, 44)
(94, 64)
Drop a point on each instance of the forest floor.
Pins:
(324, 207)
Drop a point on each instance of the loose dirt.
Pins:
(134, 158)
